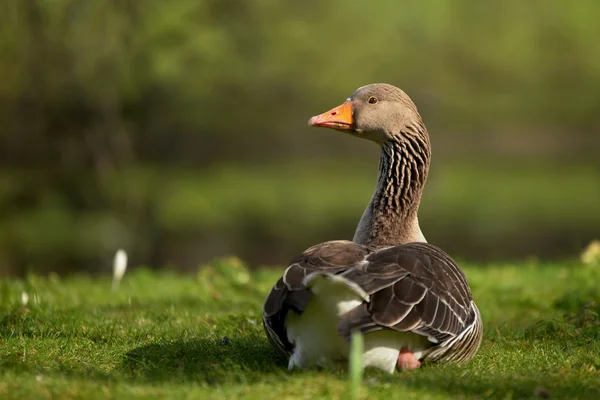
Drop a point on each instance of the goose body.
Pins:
(408, 298)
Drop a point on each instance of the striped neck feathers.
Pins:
(391, 217)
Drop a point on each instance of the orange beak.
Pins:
(339, 118)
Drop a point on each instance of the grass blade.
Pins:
(356, 364)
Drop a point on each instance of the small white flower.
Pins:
(591, 254)
(24, 298)
(119, 267)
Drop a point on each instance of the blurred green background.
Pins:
(177, 130)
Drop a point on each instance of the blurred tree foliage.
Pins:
(104, 103)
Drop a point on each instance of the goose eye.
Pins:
(372, 100)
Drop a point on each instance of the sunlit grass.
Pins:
(171, 336)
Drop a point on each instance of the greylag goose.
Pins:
(408, 298)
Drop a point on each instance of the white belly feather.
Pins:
(315, 336)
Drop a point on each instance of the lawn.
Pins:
(172, 336)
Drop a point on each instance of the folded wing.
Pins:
(414, 287)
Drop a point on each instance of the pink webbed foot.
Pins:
(407, 361)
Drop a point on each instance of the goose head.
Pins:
(378, 112)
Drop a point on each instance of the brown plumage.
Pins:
(388, 283)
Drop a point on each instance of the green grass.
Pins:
(171, 336)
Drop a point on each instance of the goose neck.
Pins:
(391, 217)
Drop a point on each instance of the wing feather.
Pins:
(414, 287)
(290, 292)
